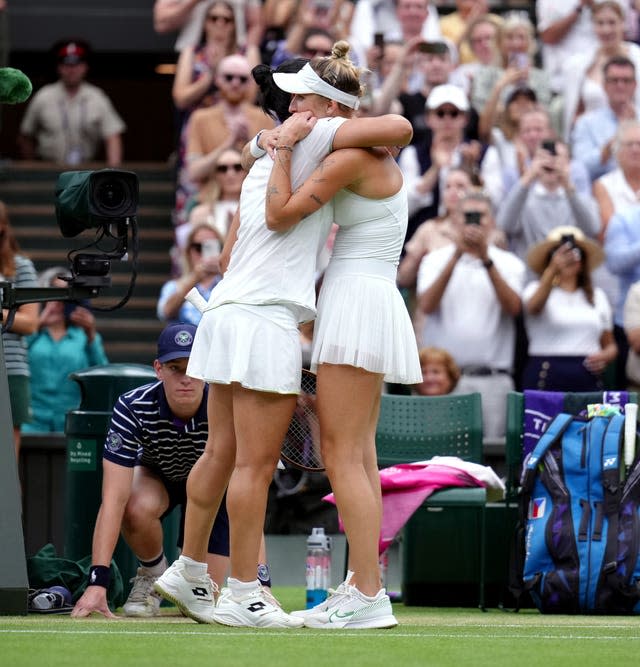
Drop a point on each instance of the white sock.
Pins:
(158, 569)
(240, 588)
(193, 568)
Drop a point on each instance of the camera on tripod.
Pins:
(104, 200)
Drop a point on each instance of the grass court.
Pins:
(426, 636)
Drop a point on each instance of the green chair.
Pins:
(436, 538)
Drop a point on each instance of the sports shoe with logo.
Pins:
(194, 596)
(334, 598)
(143, 601)
(355, 611)
(254, 610)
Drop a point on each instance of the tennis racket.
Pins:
(301, 445)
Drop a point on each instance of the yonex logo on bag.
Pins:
(610, 463)
(200, 592)
(256, 606)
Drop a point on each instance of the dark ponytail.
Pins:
(271, 99)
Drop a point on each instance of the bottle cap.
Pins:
(317, 539)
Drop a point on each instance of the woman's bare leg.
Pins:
(209, 477)
(348, 407)
(261, 422)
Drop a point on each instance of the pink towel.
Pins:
(405, 487)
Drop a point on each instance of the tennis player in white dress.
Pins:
(363, 336)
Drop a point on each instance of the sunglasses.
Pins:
(230, 77)
(224, 168)
(219, 18)
(196, 246)
(452, 113)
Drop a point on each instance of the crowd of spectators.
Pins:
(526, 118)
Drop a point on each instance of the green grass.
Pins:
(425, 636)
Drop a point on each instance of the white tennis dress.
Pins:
(248, 332)
(362, 319)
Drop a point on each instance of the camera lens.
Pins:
(110, 195)
(113, 193)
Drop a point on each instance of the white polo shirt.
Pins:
(470, 323)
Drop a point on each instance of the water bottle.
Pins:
(318, 567)
(383, 562)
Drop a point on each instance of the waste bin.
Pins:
(86, 429)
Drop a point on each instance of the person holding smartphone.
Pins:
(470, 292)
(67, 340)
(201, 269)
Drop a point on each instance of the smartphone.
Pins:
(519, 60)
(322, 6)
(570, 239)
(70, 306)
(472, 217)
(549, 145)
(210, 248)
(378, 40)
(433, 47)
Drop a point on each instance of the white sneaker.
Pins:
(194, 596)
(355, 611)
(334, 598)
(143, 601)
(254, 610)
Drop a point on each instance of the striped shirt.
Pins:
(15, 347)
(144, 431)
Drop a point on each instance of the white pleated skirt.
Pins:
(257, 346)
(363, 321)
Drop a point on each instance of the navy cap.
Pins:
(175, 342)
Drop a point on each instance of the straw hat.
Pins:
(538, 256)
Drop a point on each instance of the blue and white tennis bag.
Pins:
(581, 536)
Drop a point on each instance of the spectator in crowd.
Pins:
(70, 120)
(583, 90)
(482, 38)
(622, 252)
(18, 270)
(218, 204)
(543, 198)
(440, 373)
(433, 62)
(156, 434)
(565, 28)
(201, 269)
(188, 17)
(500, 124)
(534, 126)
(457, 25)
(66, 341)
(470, 291)
(425, 165)
(436, 232)
(516, 48)
(620, 188)
(568, 321)
(230, 123)
(194, 86)
(312, 33)
(593, 133)
(398, 20)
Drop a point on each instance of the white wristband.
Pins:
(254, 149)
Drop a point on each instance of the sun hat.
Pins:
(538, 256)
(307, 82)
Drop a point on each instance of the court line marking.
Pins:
(329, 633)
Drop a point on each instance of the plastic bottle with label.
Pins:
(318, 567)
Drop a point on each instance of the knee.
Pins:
(139, 510)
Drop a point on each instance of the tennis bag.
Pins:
(579, 529)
